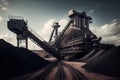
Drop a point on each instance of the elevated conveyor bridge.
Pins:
(19, 27)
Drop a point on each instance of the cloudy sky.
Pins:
(41, 14)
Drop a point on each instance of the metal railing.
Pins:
(34, 33)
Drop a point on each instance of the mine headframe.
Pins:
(54, 31)
(19, 26)
(61, 36)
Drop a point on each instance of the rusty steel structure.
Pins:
(75, 39)
(55, 30)
(22, 40)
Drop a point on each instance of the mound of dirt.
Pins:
(107, 64)
(18, 61)
(96, 52)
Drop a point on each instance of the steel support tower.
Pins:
(55, 31)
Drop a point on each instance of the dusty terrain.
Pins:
(22, 64)
(63, 70)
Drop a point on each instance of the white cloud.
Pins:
(47, 29)
(1, 18)
(32, 46)
(4, 5)
(9, 38)
(110, 33)
(63, 23)
(93, 9)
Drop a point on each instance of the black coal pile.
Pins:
(89, 55)
(106, 64)
(96, 53)
(18, 61)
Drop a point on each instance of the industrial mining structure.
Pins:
(75, 40)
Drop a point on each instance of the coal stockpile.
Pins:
(107, 64)
(96, 53)
(89, 55)
(18, 61)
